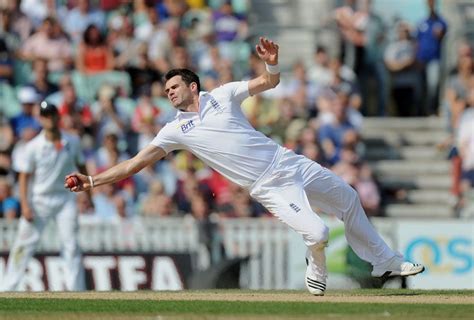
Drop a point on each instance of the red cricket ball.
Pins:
(72, 182)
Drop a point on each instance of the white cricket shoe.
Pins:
(397, 267)
(315, 282)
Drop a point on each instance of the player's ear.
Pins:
(193, 86)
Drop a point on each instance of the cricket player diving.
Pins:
(213, 127)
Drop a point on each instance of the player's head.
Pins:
(181, 85)
(49, 115)
(48, 109)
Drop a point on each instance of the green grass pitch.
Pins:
(242, 304)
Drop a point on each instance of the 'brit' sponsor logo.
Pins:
(188, 126)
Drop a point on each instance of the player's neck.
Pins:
(193, 106)
(52, 135)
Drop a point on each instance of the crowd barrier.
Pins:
(274, 253)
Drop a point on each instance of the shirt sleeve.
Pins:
(236, 91)
(165, 139)
(27, 163)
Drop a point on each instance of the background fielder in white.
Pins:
(212, 126)
(47, 159)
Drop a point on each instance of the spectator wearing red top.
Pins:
(93, 54)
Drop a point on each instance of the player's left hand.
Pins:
(267, 50)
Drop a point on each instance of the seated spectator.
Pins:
(9, 205)
(145, 118)
(49, 44)
(301, 89)
(320, 72)
(94, 55)
(41, 82)
(15, 23)
(109, 115)
(108, 154)
(25, 125)
(334, 135)
(156, 203)
(110, 203)
(84, 205)
(228, 27)
(6, 132)
(465, 142)
(80, 17)
(76, 116)
(241, 205)
(6, 64)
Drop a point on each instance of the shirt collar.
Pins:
(202, 96)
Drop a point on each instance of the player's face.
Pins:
(49, 122)
(179, 93)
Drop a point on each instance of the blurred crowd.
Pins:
(101, 63)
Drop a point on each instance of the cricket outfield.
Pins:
(240, 304)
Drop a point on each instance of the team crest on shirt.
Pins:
(187, 126)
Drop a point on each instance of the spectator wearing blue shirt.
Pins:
(26, 119)
(338, 133)
(430, 34)
(9, 206)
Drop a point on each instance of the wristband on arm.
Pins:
(272, 68)
(91, 181)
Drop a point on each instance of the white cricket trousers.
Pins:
(29, 235)
(294, 188)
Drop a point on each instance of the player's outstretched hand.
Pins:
(77, 182)
(267, 50)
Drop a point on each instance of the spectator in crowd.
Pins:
(430, 35)
(145, 117)
(320, 72)
(6, 64)
(49, 44)
(79, 18)
(76, 115)
(400, 61)
(14, 22)
(228, 27)
(455, 99)
(156, 203)
(6, 132)
(109, 114)
(337, 133)
(25, 125)
(37, 10)
(465, 142)
(9, 205)
(41, 83)
(94, 55)
(131, 53)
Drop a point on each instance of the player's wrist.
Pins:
(272, 68)
(91, 182)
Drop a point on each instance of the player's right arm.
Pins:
(26, 211)
(125, 169)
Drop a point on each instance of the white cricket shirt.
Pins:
(220, 135)
(49, 164)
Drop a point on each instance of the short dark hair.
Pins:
(187, 75)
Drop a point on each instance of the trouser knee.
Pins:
(317, 237)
